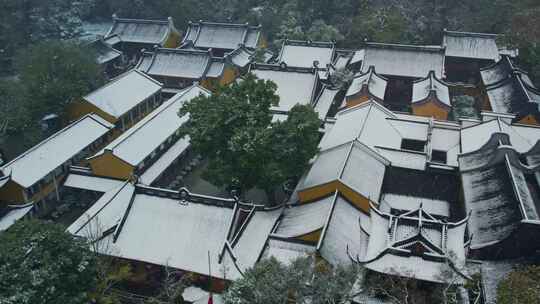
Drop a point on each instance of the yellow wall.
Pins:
(262, 42)
(173, 41)
(229, 75)
(109, 165)
(77, 110)
(12, 193)
(327, 189)
(312, 237)
(529, 120)
(320, 191)
(431, 109)
(356, 100)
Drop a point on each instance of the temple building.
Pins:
(401, 65)
(466, 53)
(306, 54)
(36, 175)
(180, 68)
(146, 149)
(431, 98)
(364, 87)
(510, 90)
(499, 172)
(122, 101)
(132, 35)
(136, 222)
(371, 152)
(109, 59)
(223, 37)
(415, 243)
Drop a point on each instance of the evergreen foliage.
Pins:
(41, 263)
(233, 129)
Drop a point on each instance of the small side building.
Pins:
(515, 95)
(223, 38)
(499, 173)
(180, 68)
(466, 53)
(110, 59)
(431, 98)
(35, 175)
(122, 101)
(142, 146)
(364, 87)
(306, 54)
(137, 34)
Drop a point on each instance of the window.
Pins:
(438, 156)
(413, 145)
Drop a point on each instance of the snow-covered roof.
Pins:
(374, 84)
(105, 213)
(305, 218)
(358, 56)
(42, 159)
(248, 245)
(153, 32)
(124, 93)
(522, 137)
(415, 244)
(501, 70)
(325, 100)
(105, 53)
(164, 161)
(139, 141)
(241, 57)
(514, 95)
(431, 85)
(383, 131)
(470, 45)
(341, 61)
(92, 183)
(294, 85)
(304, 53)
(404, 60)
(391, 201)
(496, 190)
(226, 36)
(164, 232)
(286, 251)
(13, 214)
(353, 164)
(177, 228)
(180, 63)
(342, 234)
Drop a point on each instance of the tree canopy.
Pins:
(41, 263)
(303, 281)
(520, 286)
(233, 129)
(56, 72)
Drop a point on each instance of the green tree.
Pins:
(520, 286)
(30, 21)
(232, 128)
(524, 34)
(41, 263)
(378, 24)
(303, 281)
(14, 108)
(55, 73)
